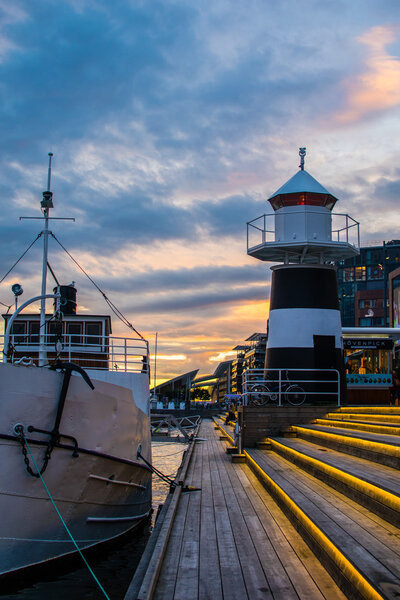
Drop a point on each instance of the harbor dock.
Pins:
(296, 517)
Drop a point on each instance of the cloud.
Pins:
(196, 299)
(171, 123)
(377, 88)
(387, 190)
(184, 279)
(221, 356)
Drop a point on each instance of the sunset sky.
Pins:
(171, 123)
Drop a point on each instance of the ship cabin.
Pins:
(79, 338)
(82, 339)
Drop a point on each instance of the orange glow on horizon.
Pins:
(378, 88)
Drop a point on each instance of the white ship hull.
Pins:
(101, 493)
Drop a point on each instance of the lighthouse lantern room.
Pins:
(303, 228)
(305, 237)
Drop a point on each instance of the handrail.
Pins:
(259, 224)
(329, 385)
(15, 315)
(111, 353)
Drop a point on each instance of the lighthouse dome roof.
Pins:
(302, 189)
(302, 181)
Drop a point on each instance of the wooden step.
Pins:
(384, 410)
(375, 487)
(360, 550)
(380, 448)
(359, 426)
(226, 430)
(366, 417)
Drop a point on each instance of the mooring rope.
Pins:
(167, 478)
(64, 523)
(114, 309)
(15, 264)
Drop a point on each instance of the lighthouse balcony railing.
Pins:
(100, 352)
(290, 386)
(262, 230)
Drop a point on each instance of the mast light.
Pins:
(47, 201)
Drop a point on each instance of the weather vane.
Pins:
(302, 153)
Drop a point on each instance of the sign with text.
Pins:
(379, 343)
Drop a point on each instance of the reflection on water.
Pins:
(167, 456)
(115, 569)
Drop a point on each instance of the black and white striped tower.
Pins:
(304, 329)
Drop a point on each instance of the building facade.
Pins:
(254, 357)
(363, 285)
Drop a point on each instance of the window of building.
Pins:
(93, 333)
(375, 272)
(53, 331)
(366, 322)
(34, 331)
(369, 303)
(371, 322)
(74, 332)
(361, 273)
(18, 331)
(371, 361)
(348, 274)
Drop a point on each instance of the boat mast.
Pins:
(46, 204)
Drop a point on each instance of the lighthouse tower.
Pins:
(305, 237)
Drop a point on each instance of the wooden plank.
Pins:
(253, 573)
(384, 546)
(233, 585)
(361, 444)
(373, 570)
(382, 438)
(359, 426)
(165, 587)
(166, 584)
(366, 417)
(210, 586)
(364, 491)
(380, 475)
(276, 577)
(187, 577)
(308, 576)
(297, 559)
(151, 577)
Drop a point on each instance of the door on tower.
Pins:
(324, 352)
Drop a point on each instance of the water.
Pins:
(114, 569)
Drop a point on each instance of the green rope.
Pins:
(64, 523)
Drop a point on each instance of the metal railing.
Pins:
(292, 386)
(261, 230)
(169, 424)
(127, 355)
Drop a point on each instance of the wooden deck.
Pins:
(227, 541)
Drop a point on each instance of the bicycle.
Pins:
(263, 393)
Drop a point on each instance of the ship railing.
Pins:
(110, 353)
(290, 386)
(261, 230)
